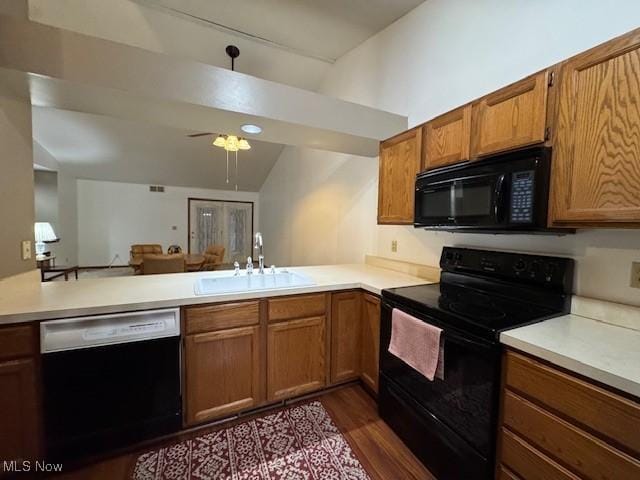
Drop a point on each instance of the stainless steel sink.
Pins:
(251, 283)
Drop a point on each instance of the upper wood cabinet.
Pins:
(596, 159)
(370, 340)
(512, 117)
(222, 373)
(400, 162)
(447, 138)
(345, 335)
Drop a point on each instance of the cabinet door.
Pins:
(345, 336)
(400, 160)
(19, 419)
(370, 340)
(596, 158)
(510, 118)
(447, 138)
(222, 373)
(295, 357)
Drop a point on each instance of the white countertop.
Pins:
(22, 302)
(598, 348)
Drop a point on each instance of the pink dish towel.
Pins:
(417, 344)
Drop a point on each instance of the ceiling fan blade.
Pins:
(195, 135)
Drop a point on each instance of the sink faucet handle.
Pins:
(249, 265)
(236, 268)
(272, 269)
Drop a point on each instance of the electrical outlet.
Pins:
(394, 245)
(26, 249)
(635, 274)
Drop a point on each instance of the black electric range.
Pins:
(450, 423)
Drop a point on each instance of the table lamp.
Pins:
(44, 233)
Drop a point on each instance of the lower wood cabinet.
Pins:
(556, 425)
(370, 350)
(346, 336)
(19, 411)
(296, 357)
(222, 373)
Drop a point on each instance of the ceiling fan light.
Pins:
(220, 141)
(243, 144)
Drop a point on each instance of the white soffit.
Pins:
(72, 71)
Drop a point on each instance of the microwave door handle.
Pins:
(499, 204)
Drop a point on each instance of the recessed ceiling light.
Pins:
(250, 128)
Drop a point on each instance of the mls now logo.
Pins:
(15, 466)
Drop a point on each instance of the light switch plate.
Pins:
(635, 275)
(26, 249)
(394, 245)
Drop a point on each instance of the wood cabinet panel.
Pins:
(18, 341)
(218, 317)
(596, 159)
(510, 118)
(296, 357)
(19, 412)
(447, 138)
(299, 306)
(345, 335)
(529, 463)
(370, 340)
(606, 415)
(505, 474)
(580, 452)
(222, 373)
(400, 161)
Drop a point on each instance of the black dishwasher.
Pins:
(110, 381)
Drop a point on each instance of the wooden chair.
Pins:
(153, 264)
(213, 257)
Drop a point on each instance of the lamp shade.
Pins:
(44, 232)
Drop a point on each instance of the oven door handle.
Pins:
(499, 196)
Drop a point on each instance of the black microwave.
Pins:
(504, 194)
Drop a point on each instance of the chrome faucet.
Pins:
(249, 266)
(236, 268)
(257, 244)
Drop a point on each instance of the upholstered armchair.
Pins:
(213, 257)
(153, 263)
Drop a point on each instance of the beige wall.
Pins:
(16, 185)
(320, 207)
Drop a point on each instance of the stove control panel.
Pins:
(545, 271)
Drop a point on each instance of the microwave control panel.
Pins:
(522, 193)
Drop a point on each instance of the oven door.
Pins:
(466, 399)
(461, 202)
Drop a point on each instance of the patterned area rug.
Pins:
(298, 443)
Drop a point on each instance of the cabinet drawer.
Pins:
(17, 342)
(612, 417)
(527, 462)
(579, 451)
(301, 306)
(505, 474)
(218, 317)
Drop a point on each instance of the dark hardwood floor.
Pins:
(380, 451)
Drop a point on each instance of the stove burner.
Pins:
(473, 311)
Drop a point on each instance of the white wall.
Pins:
(16, 185)
(439, 56)
(112, 216)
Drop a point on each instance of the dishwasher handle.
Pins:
(102, 330)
